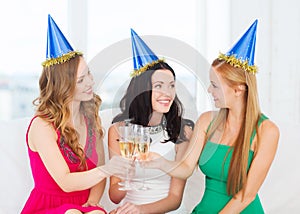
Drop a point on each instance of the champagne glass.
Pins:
(137, 134)
(127, 149)
(143, 147)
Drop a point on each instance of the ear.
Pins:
(239, 90)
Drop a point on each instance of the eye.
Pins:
(213, 85)
(80, 80)
(172, 85)
(157, 86)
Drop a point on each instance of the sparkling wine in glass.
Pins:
(126, 144)
(126, 148)
(137, 133)
(143, 148)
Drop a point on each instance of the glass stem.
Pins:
(127, 178)
(143, 181)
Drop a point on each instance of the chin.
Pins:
(162, 109)
(165, 110)
(87, 98)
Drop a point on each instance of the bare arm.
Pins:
(184, 168)
(269, 136)
(42, 139)
(115, 194)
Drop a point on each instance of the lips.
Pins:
(164, 102)
(215, 98)
(89, 91)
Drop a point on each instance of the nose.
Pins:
(209, 89)
(168, 91)
(90, 80)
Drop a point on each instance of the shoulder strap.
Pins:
(261, 119)
(210, 124)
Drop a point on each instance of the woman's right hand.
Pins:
(118, 166)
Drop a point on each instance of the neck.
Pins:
(237, 111)
(76, 117)
(155, 119)
(235, 118)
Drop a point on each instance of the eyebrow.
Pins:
(158, 82)
(162, 82)
(83, 75)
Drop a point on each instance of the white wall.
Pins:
(211, 26)
(285, 57)
(276, 50)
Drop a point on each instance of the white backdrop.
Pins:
(209, 26)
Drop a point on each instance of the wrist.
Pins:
(92, 202)
(141, 209)
(165, 165)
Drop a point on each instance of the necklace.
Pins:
(155, 129)
(159, 127)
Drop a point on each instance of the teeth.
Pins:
(164, 101)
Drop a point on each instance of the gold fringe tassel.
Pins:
(141, 70)
(232, 60)
(61, 59)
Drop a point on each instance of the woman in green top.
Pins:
(235, 146)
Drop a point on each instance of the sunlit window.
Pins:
(94, 27)
(23, 46)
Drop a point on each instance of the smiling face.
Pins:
(222, 93)
(163, 90)
(84, 83)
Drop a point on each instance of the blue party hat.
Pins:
(59, 49)
(143, 56)
(242, 53)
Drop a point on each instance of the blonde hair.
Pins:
(237, 174)
(57, 87)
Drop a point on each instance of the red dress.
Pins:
(47, 196)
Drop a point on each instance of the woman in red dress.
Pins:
(64, 137)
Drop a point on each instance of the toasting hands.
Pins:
(118, 166)
(154, 161)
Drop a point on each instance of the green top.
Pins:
(214, 162)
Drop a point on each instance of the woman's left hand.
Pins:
(127, 208)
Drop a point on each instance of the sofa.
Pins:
(279, 194)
